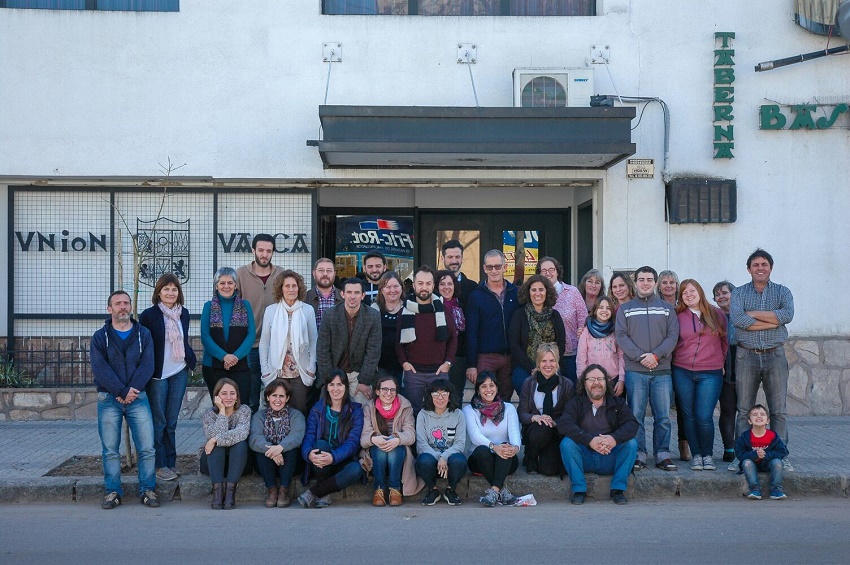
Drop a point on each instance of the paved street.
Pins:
(808, 530)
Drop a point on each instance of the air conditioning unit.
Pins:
(552, 88)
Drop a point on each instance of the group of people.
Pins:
(369, 378)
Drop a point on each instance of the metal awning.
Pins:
(465, 138)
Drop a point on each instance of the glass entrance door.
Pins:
(539, 234)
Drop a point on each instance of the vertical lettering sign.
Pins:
(724, 95)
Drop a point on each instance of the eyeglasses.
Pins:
(551, 271)
(386, 390)
(439, 394)
(493, 267)
(595, 380)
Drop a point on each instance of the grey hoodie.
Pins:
(441, 435)
(647, 325)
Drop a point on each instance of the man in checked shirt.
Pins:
(760, 310)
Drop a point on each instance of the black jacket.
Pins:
(623, 424)
(154, 321)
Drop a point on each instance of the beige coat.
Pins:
(404, 426)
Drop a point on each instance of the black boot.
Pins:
(217, 496)
(229, 497)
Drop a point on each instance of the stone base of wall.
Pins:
(819, 376)
(818, 385)
(77, 403)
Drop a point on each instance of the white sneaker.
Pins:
(787, 466)
(733, 466)
(708, 464)
(696, 463)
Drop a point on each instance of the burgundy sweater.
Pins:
(425, 353)
(698, 349)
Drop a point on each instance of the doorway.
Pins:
(525, 235)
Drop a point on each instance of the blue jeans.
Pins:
(274, 475)
(334, 477)
(110, 414)
(580, 459)
(225, 464)
(771, 371)
(426, 467)
(657, 388)
(518, 377)
(387, 467)
(750, 469)
(697, 393)
(166, 398)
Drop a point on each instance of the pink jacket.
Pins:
(602, 351)
(697, 348)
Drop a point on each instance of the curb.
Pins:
(646, 485)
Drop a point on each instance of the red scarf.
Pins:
(388, 415)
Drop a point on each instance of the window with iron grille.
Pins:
(702, 201)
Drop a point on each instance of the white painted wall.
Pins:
(233, 89)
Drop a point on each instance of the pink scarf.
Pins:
(388, 415)
(173, 331)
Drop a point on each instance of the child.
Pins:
(597, 344)
(760, 449)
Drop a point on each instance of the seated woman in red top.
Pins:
(698, 362)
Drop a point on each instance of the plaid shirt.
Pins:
(324, 304)
(774, 298)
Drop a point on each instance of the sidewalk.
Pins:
(28, 450)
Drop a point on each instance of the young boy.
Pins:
(760, 449)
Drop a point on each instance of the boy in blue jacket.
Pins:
(760, 449)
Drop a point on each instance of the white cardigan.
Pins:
(303, 365)
(507, 431)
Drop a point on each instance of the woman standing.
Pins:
(389, 304)
(591, 287)
(227, 332)
(331, 442)
(728, 395)
(449, 290)
(570, 305)
(441, 442)
(668, 286)
(168, 322)
(598, 345)
(537, 323)
(276, 435)
(288, 339)
(226, 427)
(698, 362)
(541, 402)
(621, 289)
(492, 427)
(388, 433)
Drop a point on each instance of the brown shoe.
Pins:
(283, 499)
(217, 496)
(229, 496)
(395, 497)
(379, 499)
(271, 497)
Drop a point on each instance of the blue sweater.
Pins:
(154, 321)
(118, 365)
(211, 348)
(316, 424)
(487, 321)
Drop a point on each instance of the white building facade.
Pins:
(93, 102)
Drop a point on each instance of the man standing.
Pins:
(427, 339)
(256, 283)
(452, 252)
(122, 364)
(350, 338)
(647, 331)
(488, 315)
(760, 310)
(324, 295)
(374, 265)
(599, 435)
